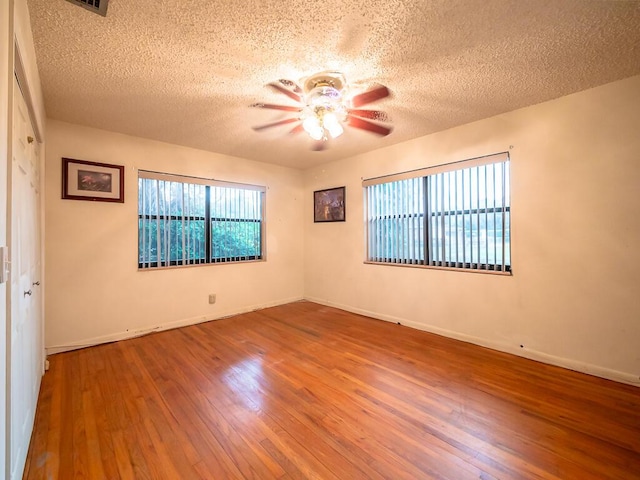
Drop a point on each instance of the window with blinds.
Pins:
(190, 221)
(451, 216)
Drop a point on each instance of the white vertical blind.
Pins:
(457, 217)
(185, 220)
(235, 223)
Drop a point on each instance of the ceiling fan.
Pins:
(324, 107)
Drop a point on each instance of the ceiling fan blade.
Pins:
(370, 96)
(369, 126)
(378, 115)
(276, 107)
(297, 129)
(293, 85)
(275, 124)
(286, 91)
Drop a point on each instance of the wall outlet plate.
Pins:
(212, 298)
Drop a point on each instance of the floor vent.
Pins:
(96, 6)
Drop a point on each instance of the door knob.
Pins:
(28, 293)
(35, 284)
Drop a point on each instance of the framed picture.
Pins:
(328, 205)
(97, 182)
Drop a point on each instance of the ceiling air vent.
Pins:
(96, 6)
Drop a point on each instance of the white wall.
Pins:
(94, 290)
(573, 299)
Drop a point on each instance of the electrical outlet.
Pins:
(212, 298)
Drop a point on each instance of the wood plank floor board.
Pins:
(476, 422)
(245, 402)
(333, 394)
(241, 402)
(166, 416)
(344, 468)
(361, 418)
(304, 391)
(236, 413)
(241, 444)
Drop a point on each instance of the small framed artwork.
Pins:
(328, 205)
(97, 182)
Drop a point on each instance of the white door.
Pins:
(26, 323)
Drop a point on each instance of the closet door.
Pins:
(26, 323)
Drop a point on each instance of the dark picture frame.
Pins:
(93, 181)
(329, 205)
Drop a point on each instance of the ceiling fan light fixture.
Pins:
(322, 122)
(332, 124)
(325, 107)
(324, 96)
(313, 127)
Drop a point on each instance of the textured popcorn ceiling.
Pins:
(185, 72)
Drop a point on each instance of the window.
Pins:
(189, 221)
(451, 216)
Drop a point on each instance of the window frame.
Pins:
(208, 221)
(423, 258)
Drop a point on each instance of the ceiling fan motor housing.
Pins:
(333, 80)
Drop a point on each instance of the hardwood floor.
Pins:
(304, 391)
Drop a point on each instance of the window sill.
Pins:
(435, 267)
